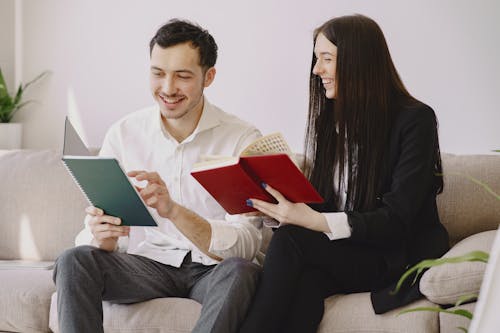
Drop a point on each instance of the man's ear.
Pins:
(209, 76)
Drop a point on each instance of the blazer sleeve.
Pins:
(411, 183)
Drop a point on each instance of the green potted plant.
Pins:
(10, 133)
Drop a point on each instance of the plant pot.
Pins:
(11, 135)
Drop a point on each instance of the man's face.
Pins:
(177, 80)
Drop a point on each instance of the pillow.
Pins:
(446, 283)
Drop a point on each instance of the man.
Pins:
(205, 257)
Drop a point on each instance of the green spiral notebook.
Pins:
(105, 184)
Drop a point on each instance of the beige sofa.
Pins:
(42, 211)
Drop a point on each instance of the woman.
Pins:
(374, 156)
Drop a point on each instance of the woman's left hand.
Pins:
(287, 212)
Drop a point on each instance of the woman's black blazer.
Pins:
(405, 224)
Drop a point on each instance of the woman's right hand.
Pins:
(105, 229)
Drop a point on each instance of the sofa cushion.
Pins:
(25, 300)
(354, 313)
(448, 322)
(159, 315)
(446, 283)
(42, 208)
(466, 208)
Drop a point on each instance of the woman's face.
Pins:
(326, 64)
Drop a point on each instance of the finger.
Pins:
(103, 231)
(137, 174)
(152, 189)
(105, 219)
(109, 234)
(277, 195)
(110, 227)
(134, 173)
(152, 177)
(146, 196)
(91, 210)
(152, 201)
(267, 208)
(269, 213)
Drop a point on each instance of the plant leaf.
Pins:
(462, 312)
(42, 74)
(424, 308)
(17, 108)
(6, 108)
(466, 298)
(3, 86)
(10, 105)
(19, 94)
(428, 263)
(463, 329)
(477, 181)
(458, 312)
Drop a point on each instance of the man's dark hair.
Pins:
(178, 31)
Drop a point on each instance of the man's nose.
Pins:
(168, 85)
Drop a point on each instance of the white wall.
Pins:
(446, 52)
(7, 42)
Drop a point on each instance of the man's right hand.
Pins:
(105, 229)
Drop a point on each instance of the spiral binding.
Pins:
(77, 182)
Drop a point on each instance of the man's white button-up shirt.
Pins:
(140, 142)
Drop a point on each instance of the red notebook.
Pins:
(234, 180)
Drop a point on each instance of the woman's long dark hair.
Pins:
(351, 132)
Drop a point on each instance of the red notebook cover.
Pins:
(232, 185)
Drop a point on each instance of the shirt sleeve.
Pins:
(84, 237)
(338, 225)
(236, 236)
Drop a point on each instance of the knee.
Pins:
(73, 260)
(284, 236)
(79, 254)
(240, 269)
(288, 230)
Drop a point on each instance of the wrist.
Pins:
(318, 222)
(174, 211)
(108, 244)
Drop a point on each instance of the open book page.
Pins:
(270, 144)
(209, 161)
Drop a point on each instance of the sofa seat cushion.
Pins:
(446, 283)
(159, 315)
(25, 300)
(449, 323)
(354, 313)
